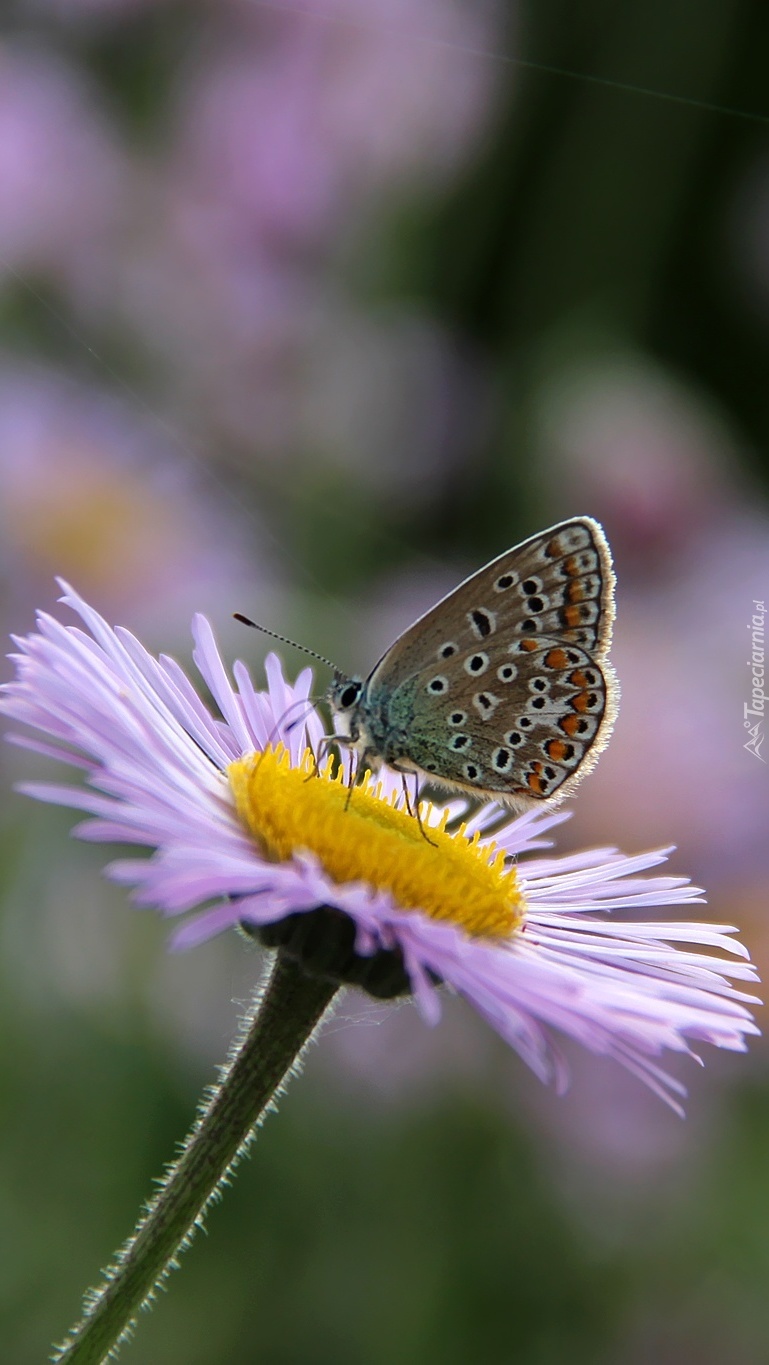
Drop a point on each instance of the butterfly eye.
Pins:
(349, 695)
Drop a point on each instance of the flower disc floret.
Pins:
(360, 834)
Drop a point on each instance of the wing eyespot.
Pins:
(459, 743)
(482, 622)
(485, 704)
(438, 685)
(476, 664)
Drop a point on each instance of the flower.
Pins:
(251, 827)
(87, 484)
(63, 175)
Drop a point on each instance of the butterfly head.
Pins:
(343, 697)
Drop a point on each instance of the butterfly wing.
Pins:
(559, 583)
(526, 726)
(503, 687)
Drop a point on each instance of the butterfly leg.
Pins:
(415, 811)
(352, 779)
(418, 814)
(369, 759)
(324, 745)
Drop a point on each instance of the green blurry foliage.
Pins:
(354, 1235)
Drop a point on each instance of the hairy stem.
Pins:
(275, 1032)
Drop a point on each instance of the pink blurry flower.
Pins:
(87, 485)
(303, 112)
(241, 837)
(659, 464)
(60, 171)
(649, 455)
(290, 126)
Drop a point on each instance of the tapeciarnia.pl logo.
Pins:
(754, 711)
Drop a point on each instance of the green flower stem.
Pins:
(278, 1027)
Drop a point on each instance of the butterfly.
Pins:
(503, 689)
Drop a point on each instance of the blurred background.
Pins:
(306, 310)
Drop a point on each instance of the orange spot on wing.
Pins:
(577, 677)
(557, 749)
(570, 725)
(556, 658)
(582, 701)
(554, 549)
(535, 784)
(575, 592)
(572, 615)
(528, 645)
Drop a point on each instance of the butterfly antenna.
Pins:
(246, 621)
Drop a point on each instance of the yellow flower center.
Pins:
(361, 836)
